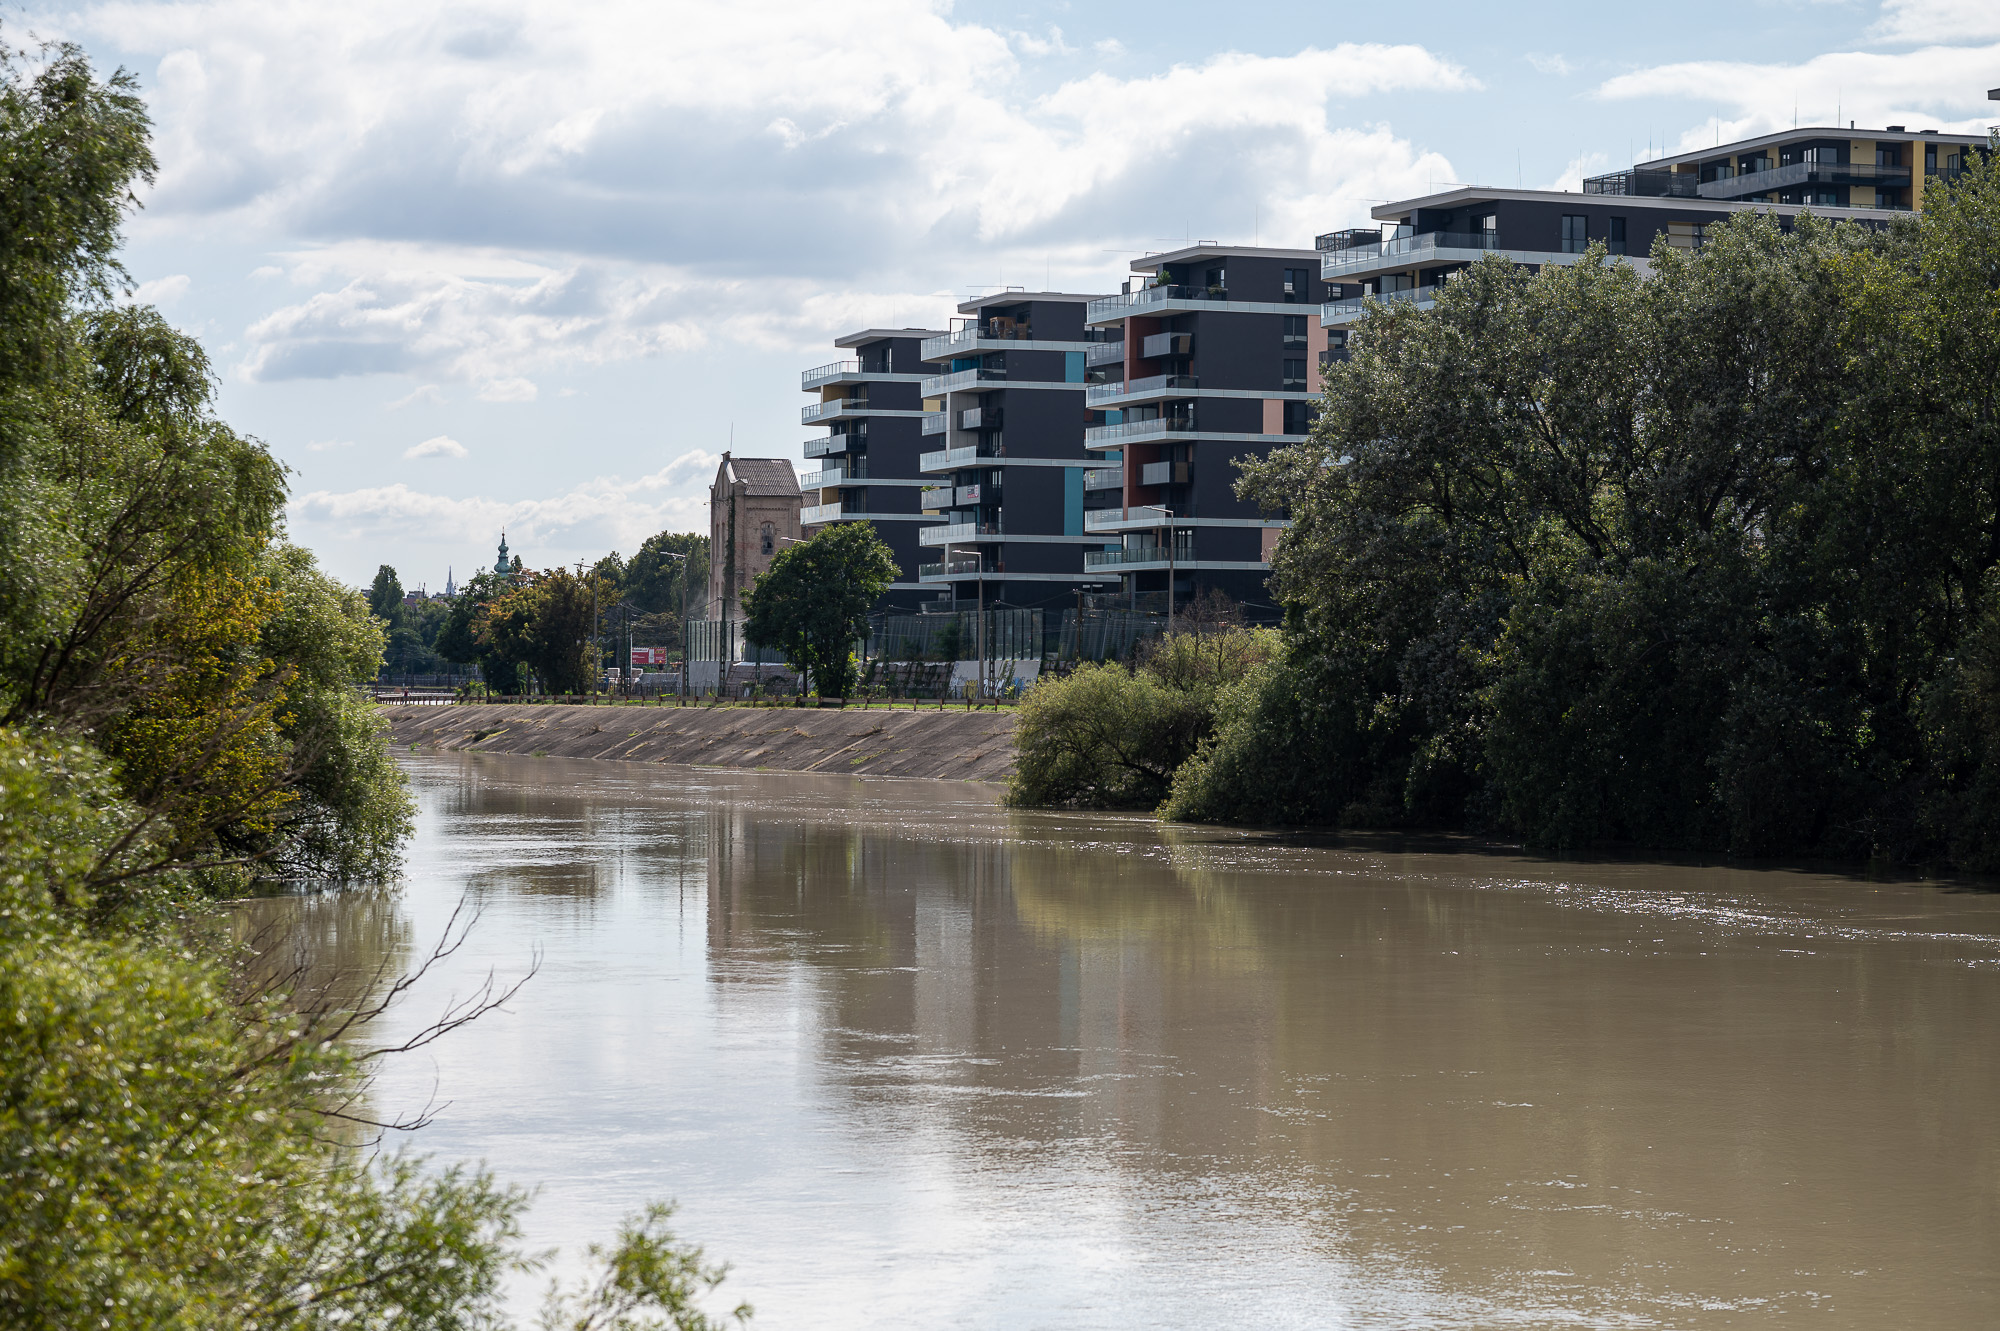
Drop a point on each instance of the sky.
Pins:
(467, 266)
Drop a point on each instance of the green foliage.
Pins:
(545, 623)
(650, 1282)
(177, 703)
(385, 596)
(1698, 561)
(812, 604)
(1107, 737)
(459, 634)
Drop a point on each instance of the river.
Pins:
(909, 1059)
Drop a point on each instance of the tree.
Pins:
(545, 623)
(659, 586)
(385, 596)
(813, 602)
(459, 635)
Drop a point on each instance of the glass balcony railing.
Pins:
(1127, 430)
(942, 569)
(1357, 306)
(944, 459)
(1098, 393)
(958, 531)
(1119, 517)
(820, 513)
(1403, 248)
(1151, 554)
(833, 443)
(839, 406)
(1104, 478)
(1105, 353)
(1131, 302)
(829, 477)
(939, 384)
(936, 421)
(813, 378)
(970, 334)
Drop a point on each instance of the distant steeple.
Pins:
(502, 564)
(450, 587)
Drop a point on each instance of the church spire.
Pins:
(502, 566)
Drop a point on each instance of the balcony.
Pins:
(1156, 554)
(936, 421)
(945, 459)
(1428, 245)
(958, 531)
(1796, 174)
(830, 477)
(815, 513)
(1104, 478)
(832, 408)
(1346, 311)
(979, 418)
(1132, 302)
(1097, 395)
(1105, 353)
(954, 568)
(813, 378)
(1163, 473)
(1141, 515)
(1167, 344)
(1098, 435)
(967, 334)
(833, 443)
(1643, 184)
(940, 384)
(1352, 238)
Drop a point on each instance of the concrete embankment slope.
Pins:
(954, 744)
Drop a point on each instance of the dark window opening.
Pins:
(1298, 285)
(1575, 233)
(1295, 332)
(1614, 235)
(1295, 375)
(1299, 416)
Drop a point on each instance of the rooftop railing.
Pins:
(1351, 238)
(813, 378)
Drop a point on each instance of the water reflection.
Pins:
(908, 1059)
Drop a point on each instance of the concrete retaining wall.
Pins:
(953, 744)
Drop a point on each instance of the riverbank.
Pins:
(953, 744)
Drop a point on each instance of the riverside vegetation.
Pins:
(178, 1126)
(1706, 560)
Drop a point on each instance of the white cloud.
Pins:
(602, 514)
(1574, 171)
(498, 188)
(161, 290)
(328, 445)
(438, 446)
(1936, 88)
(1551, 64)
(1108, 47)
(1937, 21)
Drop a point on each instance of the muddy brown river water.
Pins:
(909, 1059)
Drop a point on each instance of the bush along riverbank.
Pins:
(1704, 560)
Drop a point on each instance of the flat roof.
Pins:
(877, 334)
(1152, 262)
(1017, 297)
(1812, 132)
(1453, 198)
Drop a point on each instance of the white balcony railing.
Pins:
(1097, 394)
(813, 378)
(940, 384)
(827, 477)
(839, 406)
(1129, 430)
(936, 421)
(947, 458)
(820, 513)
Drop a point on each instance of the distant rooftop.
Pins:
(1209, 249)
(1012, 296)
(762, 476)
(867, 335)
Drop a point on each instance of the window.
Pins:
(1298, 285)
(1576, 233)
(1486, 230)
(1823, 156)
(1614, 235)
(1295, 332)
(1216, 280)
(1888, 155)
(767, 540)
(1295, 374)
(1930, 160)
(1299, 416)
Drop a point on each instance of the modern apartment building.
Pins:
(867, 463)
(1206, 358)
(1006, 457)
(1417, 244)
